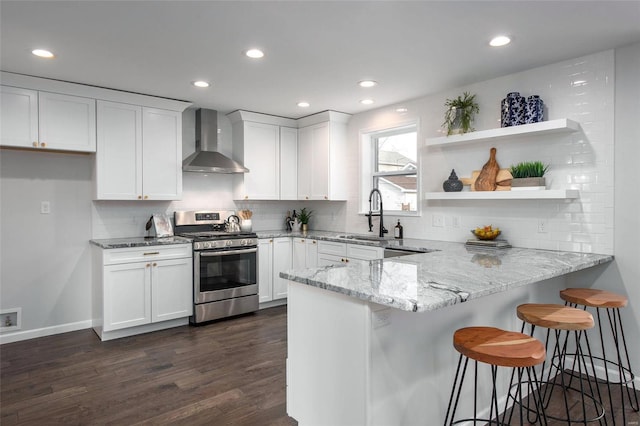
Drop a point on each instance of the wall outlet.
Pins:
(10, 319)
(437, 220)
(542, 226)
(45, 207)
(455, 221)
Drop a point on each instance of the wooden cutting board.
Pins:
(503, 180)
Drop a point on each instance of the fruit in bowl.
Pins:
(486, 233)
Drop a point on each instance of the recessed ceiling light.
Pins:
(402, 109)
(201, 83)
(366, 101)
(42, 53)
(499, 41)
(255, 53)
(303, 104)
(368, 83)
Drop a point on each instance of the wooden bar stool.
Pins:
(611, 304)
(564, 321)
(498, 348)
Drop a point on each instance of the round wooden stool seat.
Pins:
(558, 317)
(593, 297)
(499, 347)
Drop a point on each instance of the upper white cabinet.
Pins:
(139, 153)
(267, 146)
(322, 147)
(44, 120)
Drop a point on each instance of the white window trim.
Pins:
(366, 172)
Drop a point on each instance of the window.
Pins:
(392, 155)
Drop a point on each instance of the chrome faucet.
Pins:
(371, 214)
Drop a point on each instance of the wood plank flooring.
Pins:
(225, 373)
(229, 372)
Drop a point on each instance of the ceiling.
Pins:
(315, 51)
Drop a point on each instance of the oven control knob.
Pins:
(243, 242)
(228, 243)
(207, 245)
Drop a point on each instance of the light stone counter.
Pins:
(130, 242)
(452, 274)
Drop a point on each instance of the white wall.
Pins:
(45, 262)
(583, 160)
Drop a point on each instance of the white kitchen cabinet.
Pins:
(43, 120)
(141, 289)
(274, 256)
(139, 153)
(281, 262)
(267, 146)
(305, 253)
(322, 164)
(265, 270)
(333, 253)
(288, 163)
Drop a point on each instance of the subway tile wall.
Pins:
(581, 89)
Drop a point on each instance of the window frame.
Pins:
(369, 160)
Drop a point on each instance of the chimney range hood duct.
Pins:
(207, 159)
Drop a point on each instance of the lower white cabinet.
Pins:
(332, 253)
(141, 286)
(305, 253)
(274, 256)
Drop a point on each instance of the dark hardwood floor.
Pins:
(225, 373)
(229, 372)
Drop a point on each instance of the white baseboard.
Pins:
(18, 336)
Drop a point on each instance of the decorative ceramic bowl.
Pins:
(487, 235)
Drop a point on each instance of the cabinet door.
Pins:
(127, 295)
(18, 117)
(288, 163)
(281, 262)
(305, 160)
(66, 122)
(330, 259)
(311, 251)
(265, 270)
(162, 154)
(299, 253)
(320, 162)
(119, 151)
(171, 289)
(262, 158)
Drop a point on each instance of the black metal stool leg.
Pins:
(453, 391)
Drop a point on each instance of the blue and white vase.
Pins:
(513, 110)
(534, 110)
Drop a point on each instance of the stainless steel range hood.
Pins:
(207, 159)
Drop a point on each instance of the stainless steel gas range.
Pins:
(225, 279)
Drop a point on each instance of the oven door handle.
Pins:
(227, 253)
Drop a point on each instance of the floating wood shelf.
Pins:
(563, 125)
(550, 194)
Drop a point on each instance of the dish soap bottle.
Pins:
(397, 231)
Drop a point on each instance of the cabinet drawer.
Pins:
(364, 252)
(140, 254)
(329, 247)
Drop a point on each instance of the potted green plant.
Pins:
(460, 113)
(528, 175)
(304, 217)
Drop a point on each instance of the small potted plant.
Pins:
(304, 217)
(528, 175)
(460, 114)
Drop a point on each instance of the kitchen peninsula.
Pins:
(371, 343)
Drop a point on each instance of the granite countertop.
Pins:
(452, 273)
(131, 242)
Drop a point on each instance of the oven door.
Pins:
(220, 275)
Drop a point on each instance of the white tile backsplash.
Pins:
(581, 89)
